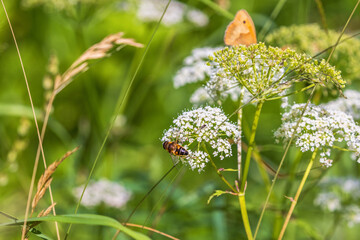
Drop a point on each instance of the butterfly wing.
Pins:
(241, 30)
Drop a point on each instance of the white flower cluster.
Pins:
(195, 68)
(151, 10)
(339, 195)
(349, 105)
(320, 129)
(201, 126)
(103, 191)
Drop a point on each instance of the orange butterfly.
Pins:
(241, 30)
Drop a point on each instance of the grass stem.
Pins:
(294, 201)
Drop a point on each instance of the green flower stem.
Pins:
(239, 150)
(293, 204)
(218, 172)
(256, 156)
(245, 216)
(342, 149)
(251, 145)
(222, 176)
(292, 93)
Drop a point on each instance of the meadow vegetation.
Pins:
(262, 139)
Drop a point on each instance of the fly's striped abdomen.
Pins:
(181, 151)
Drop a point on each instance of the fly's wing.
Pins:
(176, 160)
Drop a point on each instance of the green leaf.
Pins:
(216, 194)
(89, 219)
(39, 234)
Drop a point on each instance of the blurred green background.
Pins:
(133, 154)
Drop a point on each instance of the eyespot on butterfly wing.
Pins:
(241, 30)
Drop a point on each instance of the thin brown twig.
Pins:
(150, 229)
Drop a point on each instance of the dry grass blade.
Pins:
(46, 212)
(45, 180)
(43, 213)
(113, 42)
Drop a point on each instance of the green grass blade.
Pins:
(17, 110)
(88, 219)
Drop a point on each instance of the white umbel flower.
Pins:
(200, 126)
(265, 71)
(320, 129)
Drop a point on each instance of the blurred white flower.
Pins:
(151, 11)
(319, 129)
(339, 195)
(200, 96)
(197, 17)
(195, 68)
(284, 102)
(349, 105)
(352, 215)
(201, 126)
(104, 191)
(328, 201)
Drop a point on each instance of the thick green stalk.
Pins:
(241, 195)
(251, 145)
(245, 217)
(294, 201)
